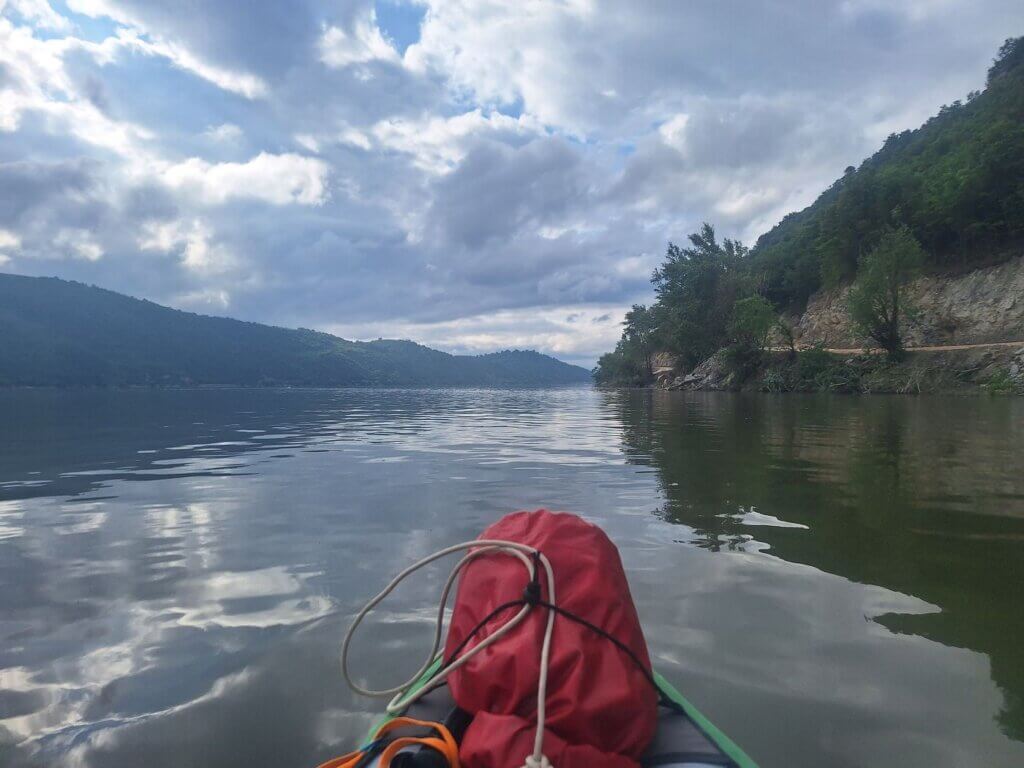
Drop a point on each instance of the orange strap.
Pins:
(345, 761)
(445, 744)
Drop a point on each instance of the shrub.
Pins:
(1000, 383)
(774, 381)
(752, 321)
(839, 377)
(743, 360)
(821, 371)
(811, 362)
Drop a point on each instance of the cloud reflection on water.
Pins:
(175, 588)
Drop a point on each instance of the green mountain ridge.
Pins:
(957, 182)
(56, 332)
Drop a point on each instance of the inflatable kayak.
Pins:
(508, 690)
(684, 737)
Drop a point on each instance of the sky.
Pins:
(474, 175)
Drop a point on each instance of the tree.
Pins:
(638, 332)
(752, 321)
(621, 367)
(1010, 56)
(696, 289)
(876, 300)
(785, 331)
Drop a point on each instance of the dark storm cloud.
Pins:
(488, 175)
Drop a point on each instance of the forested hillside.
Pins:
(955, 186)
(55, 332)
(957, 182)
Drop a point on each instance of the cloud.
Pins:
(39, 13)
(136, 35)
(224, 132)
(499, 190)
(358, 45)
(209, 299)
(44, 192)
(437, 144)
(198, 253)
(78, 244)
(498, 55)
(9, 240)
(38, 83)
(277, 179)
(243, 83)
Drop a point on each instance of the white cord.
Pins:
(474, 549)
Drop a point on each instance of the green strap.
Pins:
(420, 682)
(723, 742)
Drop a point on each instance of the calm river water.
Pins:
(834, 580)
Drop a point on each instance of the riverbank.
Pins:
(992, 369)
(960, 339)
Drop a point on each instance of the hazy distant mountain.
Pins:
(56, 332)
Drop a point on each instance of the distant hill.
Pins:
(56, 332)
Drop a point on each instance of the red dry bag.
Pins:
(601, 709)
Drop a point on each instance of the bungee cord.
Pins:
(402, 696)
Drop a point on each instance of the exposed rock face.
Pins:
(980, 306)
(664, 366)
(1016, 369)
(711, 374)
(663, 360)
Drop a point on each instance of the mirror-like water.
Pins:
(835, 581)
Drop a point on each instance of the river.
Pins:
(833, 580)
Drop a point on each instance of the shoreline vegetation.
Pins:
(992, 369)
(938, 202)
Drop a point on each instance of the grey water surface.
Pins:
(833, 580)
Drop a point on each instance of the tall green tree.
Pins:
(696, 289)
(638, 331)
(877, 299)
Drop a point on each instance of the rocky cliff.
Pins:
(985, 305)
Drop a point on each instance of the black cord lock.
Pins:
(532, 594)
